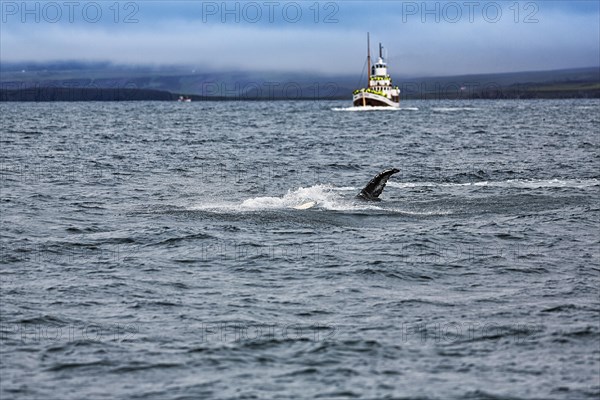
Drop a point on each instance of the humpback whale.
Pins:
(375, 186)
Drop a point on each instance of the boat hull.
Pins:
(373, 100)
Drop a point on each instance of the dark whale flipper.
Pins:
(376, 185)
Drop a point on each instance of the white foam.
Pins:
(541, 183)
(344, 188)
(420, 213)
(374, 108)
(319, 193)
(327, 197)
(510, 183)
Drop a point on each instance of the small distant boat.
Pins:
(379, 91)
(184, 99)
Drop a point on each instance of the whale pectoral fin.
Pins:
(306, 205)
(376, 185)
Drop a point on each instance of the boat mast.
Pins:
(368, 60)
(380, 51)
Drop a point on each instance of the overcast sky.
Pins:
(420, 38)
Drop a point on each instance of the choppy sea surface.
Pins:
(150, 251)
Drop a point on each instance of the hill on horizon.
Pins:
(240, 85)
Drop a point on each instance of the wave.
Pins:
(327, 197)
(333, 198)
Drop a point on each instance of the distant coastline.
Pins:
(66, 94)
(106, 84)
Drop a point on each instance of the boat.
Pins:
(379, 91)
(184, 99)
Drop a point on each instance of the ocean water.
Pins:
(150, 251)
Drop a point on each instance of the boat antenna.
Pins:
(368, 60)
(380, 50)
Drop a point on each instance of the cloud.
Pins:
(417, 42)
(237, 47)
(553, 42)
